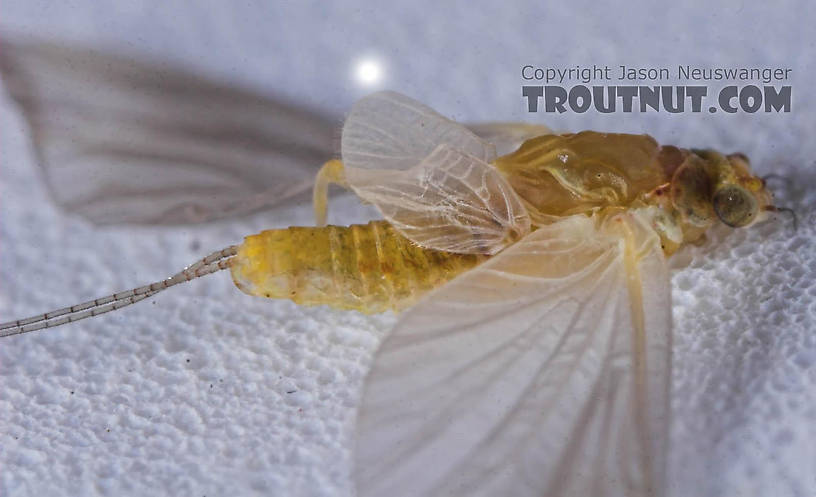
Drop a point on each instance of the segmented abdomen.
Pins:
(370, 268)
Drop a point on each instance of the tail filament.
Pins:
(210, 264)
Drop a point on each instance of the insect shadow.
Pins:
(121, 139)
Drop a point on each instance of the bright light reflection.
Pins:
(368, 72)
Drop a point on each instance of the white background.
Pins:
(187, 393)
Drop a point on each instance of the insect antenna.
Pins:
(773, 208)
(210, 264)
(784, 179)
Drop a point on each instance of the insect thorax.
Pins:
(559, 175)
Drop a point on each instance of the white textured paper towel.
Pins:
(205, 391)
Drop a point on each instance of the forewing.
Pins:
(387, 130)
(544, 371)
(450, 201)
(121, 140)
(429, 176)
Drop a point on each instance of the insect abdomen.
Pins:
(370, 268)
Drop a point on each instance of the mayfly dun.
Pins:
(532, 353)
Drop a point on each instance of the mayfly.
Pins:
(532, 353)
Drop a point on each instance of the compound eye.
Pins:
(735, 206)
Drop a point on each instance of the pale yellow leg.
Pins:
(331, 173)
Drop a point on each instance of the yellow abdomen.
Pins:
(370, 268)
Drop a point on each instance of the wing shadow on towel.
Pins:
(124, 140)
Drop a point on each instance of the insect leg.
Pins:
(331, 173)
(773, 208)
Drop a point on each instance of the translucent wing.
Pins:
(544, 371)
(387, 130)
(508, 137)
(429, 176)
(122, 140)
(450, 201)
